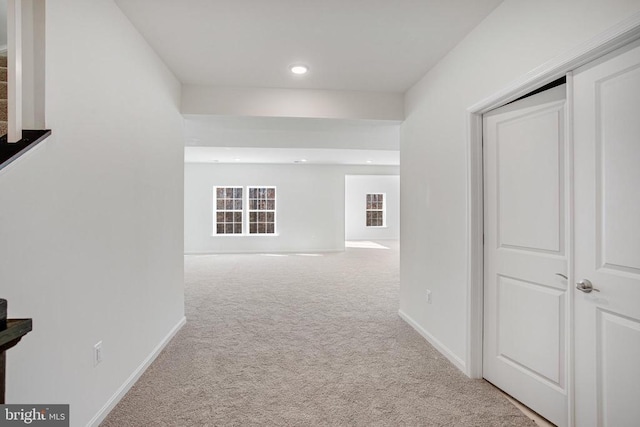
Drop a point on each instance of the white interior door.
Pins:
(525, 226)
(607, 240)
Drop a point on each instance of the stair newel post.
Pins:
(14, 70)
(3, 361)
(11, 332)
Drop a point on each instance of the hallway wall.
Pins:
(517, 37)
(92, 236)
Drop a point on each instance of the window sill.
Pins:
(246, 235)
(377, 226)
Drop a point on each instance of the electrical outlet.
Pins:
(97, 353)
(428, 297)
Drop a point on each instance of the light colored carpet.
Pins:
(303, 340)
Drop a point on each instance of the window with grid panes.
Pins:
(375, 210)
(229, 210)
(262, 210)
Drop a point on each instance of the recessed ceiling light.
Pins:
(303, 160)
(369, 161)
(237, 160)
(299, 69)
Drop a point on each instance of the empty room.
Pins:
(296, 212)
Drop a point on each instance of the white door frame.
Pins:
(615, 37)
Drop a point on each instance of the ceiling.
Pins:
(364, 45)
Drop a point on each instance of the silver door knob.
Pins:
(586, 286)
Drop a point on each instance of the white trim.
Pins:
(615, 37)
(570, 251)
(124, 388)
(216, 210)
(14, 69)
(274, 210)
(475, 255)
(245, 211)
(383, 210)
(245, 235)
(446, 352)
(268, 252)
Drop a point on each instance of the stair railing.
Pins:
(14, 70)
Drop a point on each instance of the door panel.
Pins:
(524, 348)
(617, 101)
(537, 309)
(618, 377)
(607, 239)
(528, 164)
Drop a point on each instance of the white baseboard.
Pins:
(258, 252)
(446, 352)
(124, 388)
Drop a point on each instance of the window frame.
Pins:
(257, 211)
(383, 210)
(246, 211)
(216, 210)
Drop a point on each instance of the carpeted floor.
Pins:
(304, 340)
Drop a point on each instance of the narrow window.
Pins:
(375, 210)
(228, 209)
(262, 210)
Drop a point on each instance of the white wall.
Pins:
(268, 102)
(310, 205)
(356, 189)
(517, 37)
(91, 239)
(286, 132)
